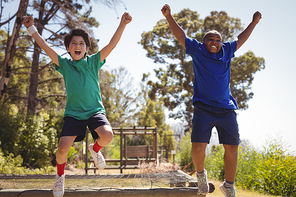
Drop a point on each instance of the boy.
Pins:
(212, 100)
(84, 104)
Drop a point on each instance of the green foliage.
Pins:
(242, 72)
(277, 174)
(114, 148)
(34, 139)
(33, 143)
(214, 163)
(248, 164)
(272, 170)
(10, 121)
(13, 165)
(119, 96)
(183, 154)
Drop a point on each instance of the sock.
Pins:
(200, 174)
(61, 168)
(228, 184)
(97, 147)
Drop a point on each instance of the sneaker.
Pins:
(58, 186)
(202, 184)
(98, 158)
(228, 192)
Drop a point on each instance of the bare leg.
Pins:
(198, 155)
(105, 135)
(230, 161)
(63, 148)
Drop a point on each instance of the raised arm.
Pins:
(176, 29)
(29, 24)
(125, 19)
(244, 35)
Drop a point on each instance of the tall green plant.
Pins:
(277, 170)
(271, 170)
(183, 155)
(248, 164)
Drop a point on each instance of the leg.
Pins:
(230, 161)
(198, 155)
(105, 135)
(63, 148)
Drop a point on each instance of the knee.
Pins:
(198, 147)
(107, 136)
(63, 148)
(231, 149)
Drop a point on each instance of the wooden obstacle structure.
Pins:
(161, 184)
(130, 156)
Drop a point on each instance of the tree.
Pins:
(11, 45)
(119, 96)
(174, 85)
(67, 15)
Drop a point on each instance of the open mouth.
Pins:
(77, 52)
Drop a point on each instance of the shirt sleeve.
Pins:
(96, 59)
(62, 61)
(230, 49)
(191, 45)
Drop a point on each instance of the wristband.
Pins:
(31, 29)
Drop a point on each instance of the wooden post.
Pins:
(155, 143)
(121, 163)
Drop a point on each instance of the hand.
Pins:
(256, 17)
(166, 10)
(28, 21)
(126, 18)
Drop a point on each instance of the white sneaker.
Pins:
(58, 186)
(202, 184)
(228, 192)
(99, 159)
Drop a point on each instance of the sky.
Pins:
(272, 111)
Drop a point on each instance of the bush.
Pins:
(13, 165)
(214, 163)
(34, 138)
(276, 172)
(272, 170)
(183, 155)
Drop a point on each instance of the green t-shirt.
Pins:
(82, 85)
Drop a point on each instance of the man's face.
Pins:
(213, 43)
(77, 48)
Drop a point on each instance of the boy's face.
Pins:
(77, 48)
(213, 43)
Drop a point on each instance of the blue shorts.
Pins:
(206, 117)
(74, 127)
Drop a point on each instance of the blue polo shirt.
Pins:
(212, 74)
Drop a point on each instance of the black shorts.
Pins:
(206, 117)
(74, 127)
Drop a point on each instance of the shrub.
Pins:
(276, 172)
(214, 163)
(183, 155)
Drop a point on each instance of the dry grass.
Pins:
(153, 167)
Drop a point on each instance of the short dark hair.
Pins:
(77, 32)
(211, 32)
